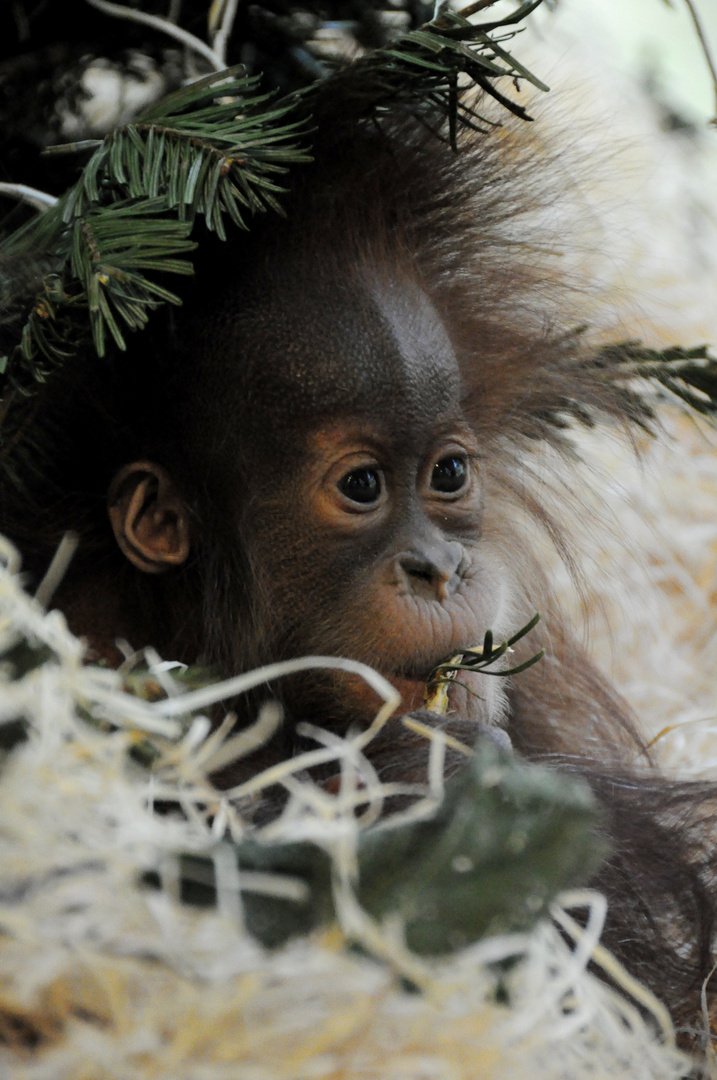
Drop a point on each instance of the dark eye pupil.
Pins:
(361, 485)
(449, 474)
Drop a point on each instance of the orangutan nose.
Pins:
(434, 571)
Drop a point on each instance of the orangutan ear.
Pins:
(149, 517)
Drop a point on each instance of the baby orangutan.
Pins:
(327, 451)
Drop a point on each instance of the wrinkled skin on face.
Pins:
(358, 494)
(368, 540)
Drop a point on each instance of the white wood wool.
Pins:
(102, 978)
(645, 529)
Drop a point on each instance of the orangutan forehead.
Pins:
(354, 343)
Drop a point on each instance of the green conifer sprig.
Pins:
(423, 67)
(96, 261)
(690, 375)
(107, 262)
(215, 147)
(200, 153)
(101, 277)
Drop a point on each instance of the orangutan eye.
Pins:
(450, 474)
(361, 486)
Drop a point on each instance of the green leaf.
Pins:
(508, 836)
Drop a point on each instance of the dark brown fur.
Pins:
(203, 388)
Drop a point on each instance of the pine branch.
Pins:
(202, 155)
(107, 261)
(132, 211)
(690, 375)
(100, 274)
(421, 69)
(214, 148)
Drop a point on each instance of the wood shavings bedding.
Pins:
(648, 529)
(101, 977)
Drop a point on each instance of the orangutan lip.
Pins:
(416, 675)
(424, 673)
